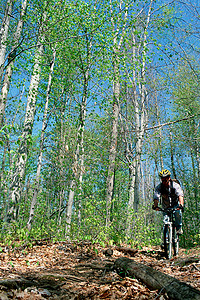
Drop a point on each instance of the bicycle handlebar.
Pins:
(169, 209)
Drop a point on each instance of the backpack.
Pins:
(171, 185)
(176, 180)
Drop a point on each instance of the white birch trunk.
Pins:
(8, 74)
(4, 35)
(78, 167)
(39, 164)
(139, 99)
(69, 207)
(172, 154)
(82, 169)
(78, 163)
(115, 116)
(112, 157)
(3, 179)
(197, 149)
(61, 161)
(160, 134)
(18, 176)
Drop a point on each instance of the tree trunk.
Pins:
(156, 280)
(81, 177)
(78, 163)
(3, 181)
(79, 154)
(4, 35)
(115, 116)
(62, 149)
(69, 206)
(8, 74)
(18, 176)
(139, 99)
(196, 151)
(172, 154)
(39, 164)
(112, 156)
(160, 134)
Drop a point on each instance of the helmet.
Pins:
(164, 173)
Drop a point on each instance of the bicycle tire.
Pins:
(168, 241)
(175, 242)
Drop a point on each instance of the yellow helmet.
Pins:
(164, 173)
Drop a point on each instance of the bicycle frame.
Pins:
(170, 237)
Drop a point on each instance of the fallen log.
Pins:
(127, 250)
(187, 261)
(16, 283)
(156, 280)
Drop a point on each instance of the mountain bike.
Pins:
(170, 236)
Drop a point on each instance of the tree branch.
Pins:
(171, 122)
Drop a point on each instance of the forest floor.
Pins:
(81, 270)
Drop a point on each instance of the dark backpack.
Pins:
(171, 185)
(176, 180)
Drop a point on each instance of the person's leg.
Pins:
(178, 220)
(165, 219)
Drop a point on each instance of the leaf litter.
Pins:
(82, 270)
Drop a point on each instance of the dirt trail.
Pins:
(85, 271)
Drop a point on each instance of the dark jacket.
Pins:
(168, 196)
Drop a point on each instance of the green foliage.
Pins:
(145, 229)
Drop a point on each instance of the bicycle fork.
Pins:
(167, 233)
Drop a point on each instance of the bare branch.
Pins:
(171, 122)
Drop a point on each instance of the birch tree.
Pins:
(118, 33)
(135, 70)
(44, 126)
(78, 165)
(4, 34)
(18, 175)
(10, 65)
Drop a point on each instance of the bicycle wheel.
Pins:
(168, 241)
(175, 242)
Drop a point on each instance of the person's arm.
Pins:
(155, 202)
(156, 198)
(179, 193)
(181, 200)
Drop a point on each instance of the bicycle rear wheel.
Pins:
(175, 242)
(168, 241)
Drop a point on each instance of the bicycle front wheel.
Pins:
(175, 242)
(168, 241)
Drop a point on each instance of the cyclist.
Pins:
(170, 194)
